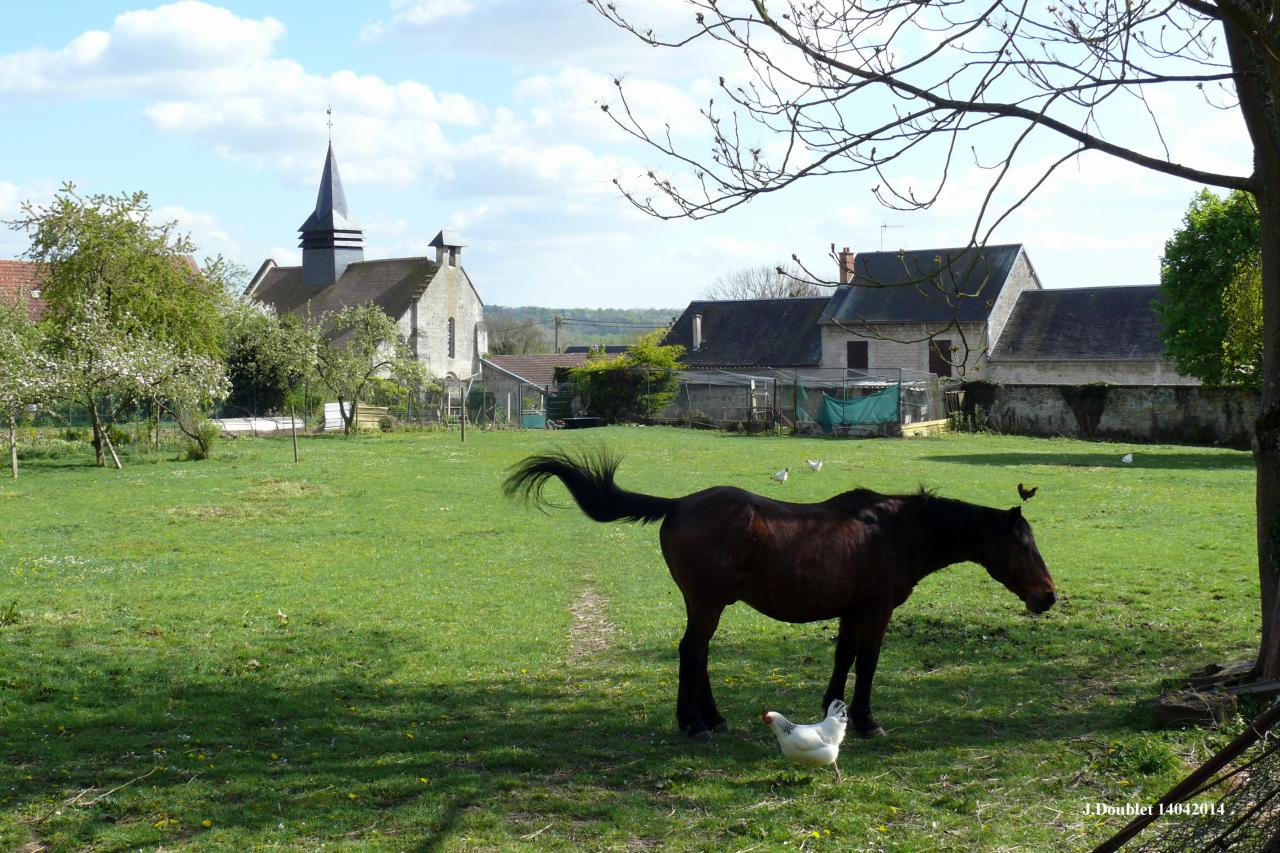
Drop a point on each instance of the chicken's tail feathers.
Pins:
(588, 475)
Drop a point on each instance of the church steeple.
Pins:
(330, 238)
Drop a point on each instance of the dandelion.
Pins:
(423, 779)
(815, 834)
(206, 823)
(351, 796)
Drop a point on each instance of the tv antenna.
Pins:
(885, 226)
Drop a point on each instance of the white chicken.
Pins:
(781, 476)
(814, 745)
(815, 465)
(1127, 459)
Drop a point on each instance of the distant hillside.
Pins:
(583, 326)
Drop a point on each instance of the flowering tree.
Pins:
(266, 355)
(28, 375)
(354, 346)
(107, 369)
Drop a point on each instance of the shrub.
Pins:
(386, 423)
(201, 447)
(119, 436)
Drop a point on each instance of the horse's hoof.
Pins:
(702, 736)
(721, 727)
(878, 731)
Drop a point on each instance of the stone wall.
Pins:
(1171, 414)
(901, 345)
(1063, 372)
(450, 294)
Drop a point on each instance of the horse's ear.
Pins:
(1015, 514)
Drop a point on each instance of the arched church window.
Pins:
(452, 340)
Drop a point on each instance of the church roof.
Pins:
(1083, 323)
(923, 285)
(391, 284)
(331, 212)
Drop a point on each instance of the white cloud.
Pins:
(141, 50)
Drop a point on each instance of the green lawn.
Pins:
(373, 650)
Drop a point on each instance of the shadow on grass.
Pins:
(352, 751)
(1208, 461)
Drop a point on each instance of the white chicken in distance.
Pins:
(781, 476)
(814, 745)
(815, 465)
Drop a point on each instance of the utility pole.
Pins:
(557, 344)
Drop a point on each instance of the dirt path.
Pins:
(591, 631)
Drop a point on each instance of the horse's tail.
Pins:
(588, 475)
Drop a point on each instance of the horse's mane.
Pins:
(948, 518)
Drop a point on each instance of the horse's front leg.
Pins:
(868, 638)
(844, 660)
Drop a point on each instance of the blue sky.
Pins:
(482, 116)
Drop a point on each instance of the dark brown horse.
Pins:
(854, 557)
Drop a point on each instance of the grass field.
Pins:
(373, 650)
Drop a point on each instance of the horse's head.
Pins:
(1010, 556)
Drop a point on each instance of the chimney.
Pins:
(697, 332)
(447, 245)
(846, 265)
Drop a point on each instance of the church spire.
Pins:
(331, 239)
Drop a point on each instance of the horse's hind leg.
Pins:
(706, 699)
(693, 697)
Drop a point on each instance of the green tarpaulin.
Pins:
(878, 408)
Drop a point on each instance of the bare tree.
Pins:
(765, 281)
(846, 86)
(512, 337)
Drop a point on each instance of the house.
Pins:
(979, 312)
(932, 310)
(747, 333)
(433, 300)
(20, 285)
(536, 370)
(1078, 335)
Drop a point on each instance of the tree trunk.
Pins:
(98, 433)
(1257, 84)
(1266, 441)
(347, 418)
(13, 445)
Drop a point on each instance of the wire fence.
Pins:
(833, 401)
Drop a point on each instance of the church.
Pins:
(439, 312)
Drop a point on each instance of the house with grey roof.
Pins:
(1078, 335)
(979, 312)
(744, 333)
(930, 310)
(438, 309)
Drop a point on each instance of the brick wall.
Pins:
(1171, 414)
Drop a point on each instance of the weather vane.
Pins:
(329, 113)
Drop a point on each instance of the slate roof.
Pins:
(391, 284)
(331, 212)
(923, 285)
(1081, 324)
(446, 238)
(537, 369)
(752, 332)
